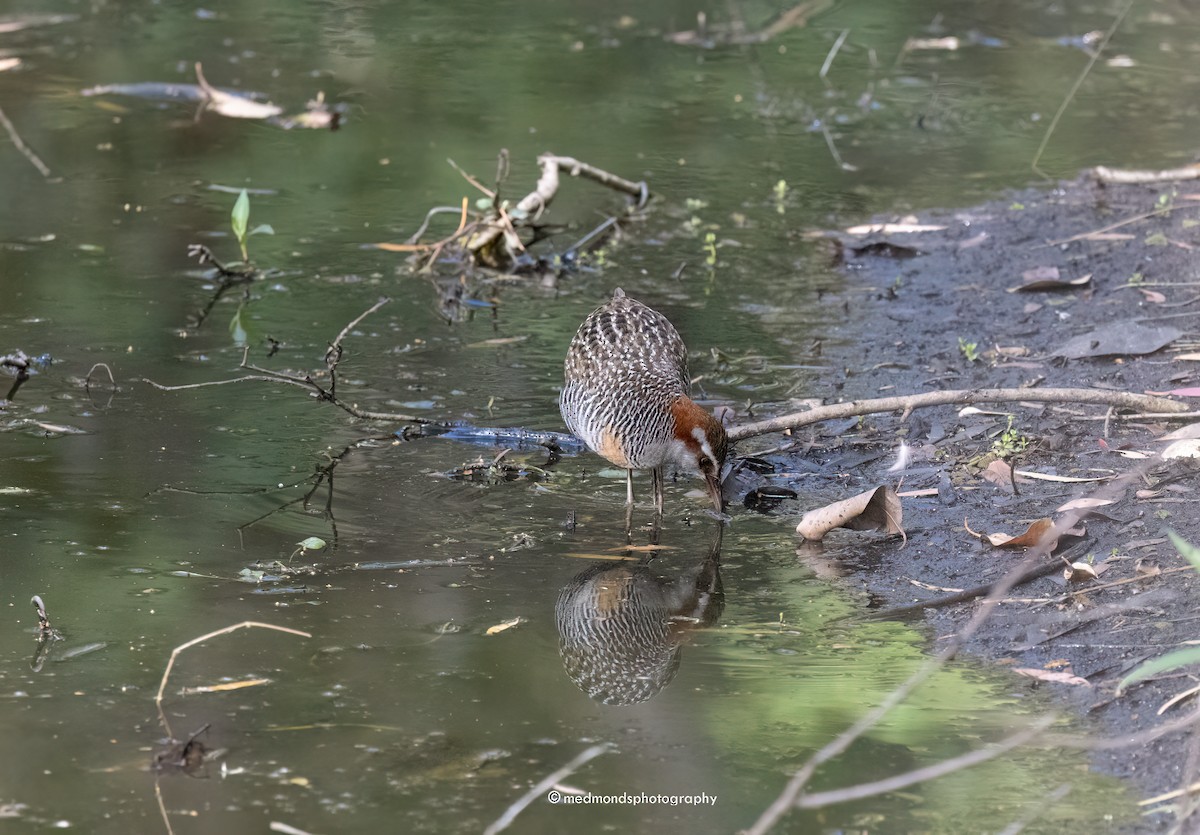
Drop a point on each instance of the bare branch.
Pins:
(1120, 399)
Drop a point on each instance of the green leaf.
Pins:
(263, 229)
(313, 543)
(1178, 658)
(241, 216)
(1186, 549)
(484, 203)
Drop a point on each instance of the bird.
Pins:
(626, 395)
(622, 626)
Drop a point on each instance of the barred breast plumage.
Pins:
(626, 395)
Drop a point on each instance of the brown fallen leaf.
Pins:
(1152, 296)
(1000, 473)
(1046, 278)
(1052, 676)
(874, 510)
(1032, 535)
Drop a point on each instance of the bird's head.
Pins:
(703, 445)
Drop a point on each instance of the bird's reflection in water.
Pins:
(621, 625)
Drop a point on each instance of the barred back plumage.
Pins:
(626, 394)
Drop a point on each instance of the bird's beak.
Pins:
(713, 482)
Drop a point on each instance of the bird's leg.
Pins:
(629, 487)
(658, 491)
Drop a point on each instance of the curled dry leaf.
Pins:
(1183, 433)
(999, 473)
(874, 510)
(1052, 675)
(1066, 479)
(1046, 278)
(1189, 448)
(1080, 572)
(1032, 535)
(500, 627)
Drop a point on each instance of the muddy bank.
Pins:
(936, 309)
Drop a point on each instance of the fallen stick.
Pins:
(965, 397)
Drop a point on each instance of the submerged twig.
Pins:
(162, 686)
(1066, 102)
(20, 145)
(510, 814)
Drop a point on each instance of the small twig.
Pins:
(471, 179)
(1062, 108)
(842, 164)
(1083, 236)
(162, 686)
(833, 51)
(436, 210)
(546, 783)
(964, 397)
(20, 145)
(87, 382)
(342, 335)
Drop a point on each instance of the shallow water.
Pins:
(133, 513)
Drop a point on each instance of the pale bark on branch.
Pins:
(958, 397)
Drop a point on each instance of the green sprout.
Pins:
(710, 248)
(970, 350)
(240, 221)
(1011, 442)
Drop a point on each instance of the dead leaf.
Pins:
(1189, 448)
(233, 106)
(874, 510)
(999, 473)
(225, 686)
(1079, 572)
(500, 627)
(1083, 504)
(1192, 430)
(1032, 536)
(1046, 278)
(1052, 676)
(1118, 338)
(1065, 479)
(1152, 296)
